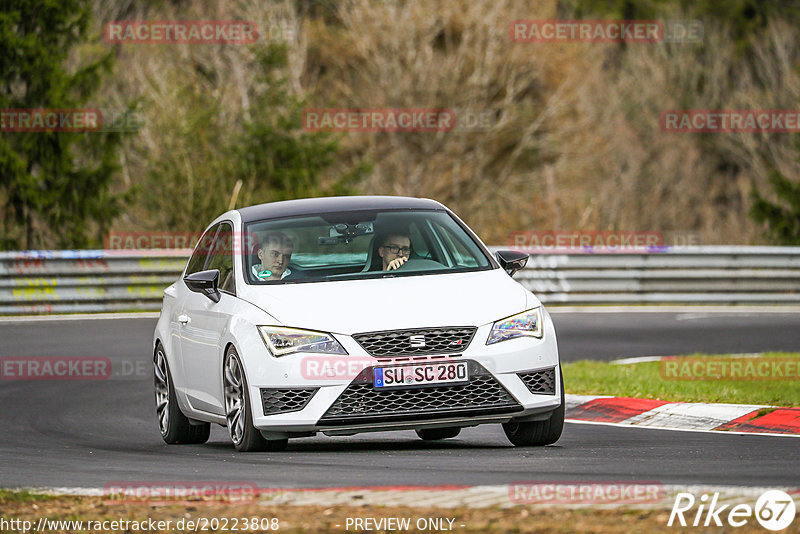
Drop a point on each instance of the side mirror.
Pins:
(205, 282)
(511, 260)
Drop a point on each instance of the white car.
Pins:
(352, 314)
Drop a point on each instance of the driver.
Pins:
(274, 254)
(394, 250)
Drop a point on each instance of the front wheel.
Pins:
(245, 437)
(538, 433)
(174, 426)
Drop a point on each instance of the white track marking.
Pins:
(715, 432)
(696, 416)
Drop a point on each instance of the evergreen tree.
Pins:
(278, 161)
(54, 186)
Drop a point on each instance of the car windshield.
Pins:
(358, 244)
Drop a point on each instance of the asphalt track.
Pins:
(93, 433)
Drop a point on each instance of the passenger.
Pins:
(394, 250)
(274, 254)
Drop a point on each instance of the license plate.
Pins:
(420, 375)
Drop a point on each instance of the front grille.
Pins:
(361, 403)
(432, 341)
(540, 382)
(276, 401)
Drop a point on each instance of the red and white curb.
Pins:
(652, 413)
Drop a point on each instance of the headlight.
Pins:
(282, 341)
(525, 324)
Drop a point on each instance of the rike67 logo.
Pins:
(774, 510)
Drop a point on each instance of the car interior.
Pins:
(352, 248)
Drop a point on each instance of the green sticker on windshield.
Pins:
(264, 274)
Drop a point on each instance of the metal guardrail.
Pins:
(698, 275)
(42, 282)
(68, 281)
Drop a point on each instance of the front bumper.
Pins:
(517, 379)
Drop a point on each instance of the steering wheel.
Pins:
(420, 264)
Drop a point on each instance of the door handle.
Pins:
(183, 319)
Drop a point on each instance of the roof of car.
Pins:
(310, 206)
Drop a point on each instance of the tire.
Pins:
(538, 433)
(173, 425)
(430, 434)
(238, 413)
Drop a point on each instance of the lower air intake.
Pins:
(275, 401)
(541, 382)
(361, 403)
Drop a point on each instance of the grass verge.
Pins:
(297, 519)
(654, 380)
(9, 496)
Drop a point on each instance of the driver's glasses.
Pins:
(394, 249)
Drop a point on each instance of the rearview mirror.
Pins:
(205, 282)
(511, 260)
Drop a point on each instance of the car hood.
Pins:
(352, 306)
